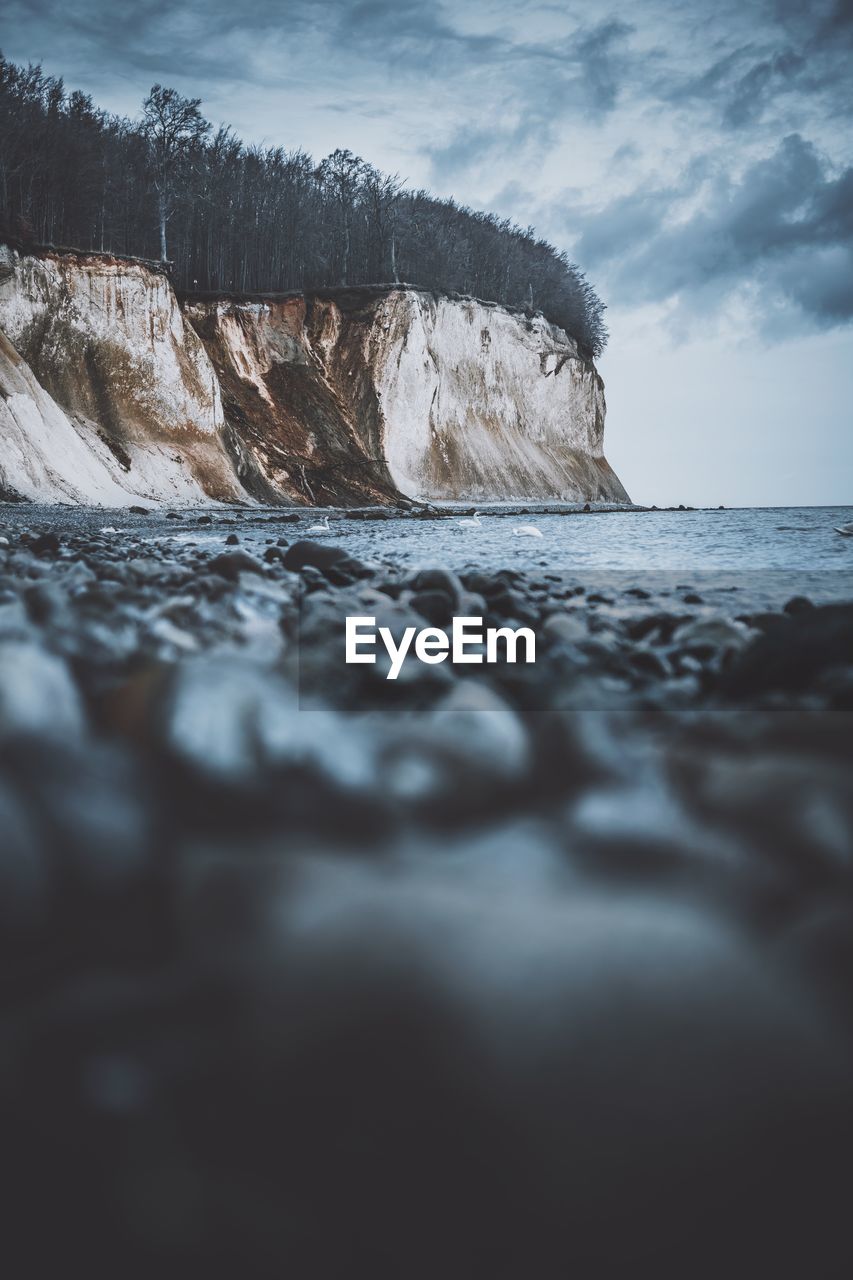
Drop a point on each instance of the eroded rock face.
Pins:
(299, 395)
(44, 455)
(480, 403)
(342, 397)
(371, 390)
(106, 341)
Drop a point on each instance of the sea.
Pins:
(788, 538)
(736, 539)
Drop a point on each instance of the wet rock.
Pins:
(306, 554)
(169, 638)
(435, 606)
(643, 831)
(140, 511)
(15, 621)
(471, 605)
(262, 758)
(225, 736)
(709, 638)
(46, 604)
(345, 572)
(793, 652)
(481, 583)
(472, 749)
(232, 540)
(391, 587)
(760, 621)
(37, 694)
(511, 604)
(648, 663)
(436, 580)
(47, 543)
(230, 564)
(657, 628)
(798, 604)
(565, 628)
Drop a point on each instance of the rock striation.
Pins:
(112, 389)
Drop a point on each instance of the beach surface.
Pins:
(468, 964)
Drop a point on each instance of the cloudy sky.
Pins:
(694, 156)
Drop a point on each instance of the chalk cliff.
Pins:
(106, 341)
(299, 394)
(484, 404)
(112, 390)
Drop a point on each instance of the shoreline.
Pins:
(417, 510)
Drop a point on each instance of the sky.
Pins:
(695, 157)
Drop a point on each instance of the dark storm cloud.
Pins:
(219, 38)
(489, 98)
(802, 50)
(579, 75)
(782, 234)
(205, 38)
(740, 86)
(821, 22)
(410, 28)
(757, 86)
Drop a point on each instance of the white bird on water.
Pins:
(527, 531)
(472, 522)
(845, 529)
(323, 527)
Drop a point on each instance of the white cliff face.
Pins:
(42, 455)
(483, 404)
(107, 342)
(445, 399)
(110, 393)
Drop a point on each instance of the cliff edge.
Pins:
(114, 390)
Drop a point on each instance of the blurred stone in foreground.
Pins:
(541, 972)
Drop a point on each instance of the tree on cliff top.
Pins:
(257, 219)
(173, 126)
(342, 175)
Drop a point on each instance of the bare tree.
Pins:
(255, 219)
(172, 125)
(341, 174)
(380, 192)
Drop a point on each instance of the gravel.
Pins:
(499, 971)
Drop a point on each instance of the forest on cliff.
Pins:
(236, 218)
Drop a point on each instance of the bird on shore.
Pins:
(322, 527)
(527, 531)
(845, 529)
(471, 522)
